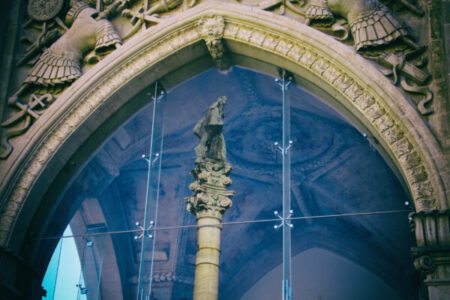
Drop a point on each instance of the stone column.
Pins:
(432, 253)
(210, 199)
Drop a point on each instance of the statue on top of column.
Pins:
(209, 131)
(210, 196)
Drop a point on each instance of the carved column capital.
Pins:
(432, 253)
(424, 264)
(210, 197)
(211, 28)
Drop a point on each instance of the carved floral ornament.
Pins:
(369, 94)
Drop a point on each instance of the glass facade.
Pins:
(317, 214)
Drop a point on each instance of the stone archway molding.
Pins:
(356, 83)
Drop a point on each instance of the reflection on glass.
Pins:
(174, 264)
(248, 253)
(353, 257)
(289, 151)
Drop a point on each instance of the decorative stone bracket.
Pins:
(211, 29)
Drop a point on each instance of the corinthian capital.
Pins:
(210, 197)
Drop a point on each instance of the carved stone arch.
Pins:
(340, 76)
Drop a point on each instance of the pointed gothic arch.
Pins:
(63, 138)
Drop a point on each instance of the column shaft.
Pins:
(206, 283)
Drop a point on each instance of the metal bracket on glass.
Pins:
(89, 243)
(83, 289)
(282, 150)
(149, 161)
(284, 84)
(159, 94)
(160, 97)
(284, 220)
(144, 231)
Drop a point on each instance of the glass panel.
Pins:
(335, 174)
(51, 275)
(252, 124)
(151, 219)
(353, 257)
(76, 267)
(174, 264)
(253, 133)
(251, 261)
(289, 151)
(334, 168)
(91, 251)
(111, 187)
(95, 266)
(124, 171)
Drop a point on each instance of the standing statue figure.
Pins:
(60, 63)
(209, 130)
(372, 23)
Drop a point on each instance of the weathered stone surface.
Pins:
(332, 74)
(210, 198)
(211, 29)
(380, 106)
(432, 254)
